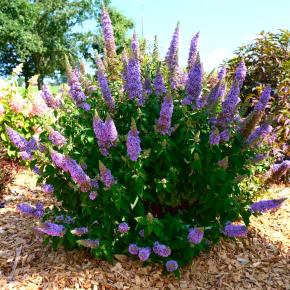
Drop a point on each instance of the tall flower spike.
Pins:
(159, 86)
(240, 74)
(106, 175)
(108, 34)
(278, 170)
(260, 133)
(192, 51)
(164, 121)
(171, 59)
(266, 205)
(134, 83)
(194, 85)
(135, 46)
(256, 115)
(100, 133)
(133, 142)
(111, 131)
(103, 83)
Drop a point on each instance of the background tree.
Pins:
(39, 34)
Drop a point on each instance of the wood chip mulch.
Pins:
(260, 261)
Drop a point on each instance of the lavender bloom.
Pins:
(222, 73)
(159, 86)
(51, 229)
(225, 135)
(76, 91)
(94, 183)
(214, 137)
(233, 230)
(216, 94)
(80, 231)
(266, 205)
(50, 101)
(36, 170)
(133, 143)
(25, 155)
(263, 101)
(194, 84)
(147, 86)
(195, 235)
(258, 158)
(123, 228)
(144, 254)
(105, 132)
(57, 138)
(278, 170)
(241, 73)
(135, 46)
(108, 34)
(92, 244)
(260, 133)
(171, 58)
(133, 81)
(106, 175)
(133, 249)
(84, 106)
(26, 209)
(192, 51)
(93, 195)
(171, 265)
(229, 105)
(59, 160)
(161, 250)
(19, 141)
(164, 121)
(104, 86)
(48, 188)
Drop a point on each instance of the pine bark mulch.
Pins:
(260, 261)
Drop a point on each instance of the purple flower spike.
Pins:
(51, 229)
(214, 137)
(133, 249)
(159, 86)
(133, 143)
(234, 230)
(48, 188)
(25, 209)
(108, 34)
(161, 250)
(278, 170)
(266, 205)
(171, 265)
(144, 254)
(92, 244)
(193, 51)
(194, 84)
(93, 195)
(103, 84)
(241, 74)
(171, 59)
(263, 101)
(80, 231)
(57, 138)
(260, 133)
(76, 90)
(222, 73)
(106, 175)
(164, 121)
(19, 141)
(195, 235)
(123, 228)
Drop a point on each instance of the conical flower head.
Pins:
(133, 142)
(159, 86)
(193, 51)
(111, 130)
(240, 74)
(108, 34)
(135, 46)
(172, 53)
(194, 84)
(164, 121)
(106, 175)
(103, 84)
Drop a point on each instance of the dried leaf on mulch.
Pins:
(260, 261)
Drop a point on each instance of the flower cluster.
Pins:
(57, 138)
(161, 250)
(80, 231)
(266, 205)
(235, 230)
(106, 175)
(51, 229)
(195, 235)
(123, 228)
(26, 209)
(133, 142)
(105, 132)
(164, 121)
(108, 34)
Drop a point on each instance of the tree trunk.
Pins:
(40, 82)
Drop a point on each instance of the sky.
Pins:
(223, 24)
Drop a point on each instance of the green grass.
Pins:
(53, 89)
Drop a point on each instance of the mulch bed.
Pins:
(260, 261)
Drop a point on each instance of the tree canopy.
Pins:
(40, 33)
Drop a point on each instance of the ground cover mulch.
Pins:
(260, 261)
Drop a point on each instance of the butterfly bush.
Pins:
(155, 166)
